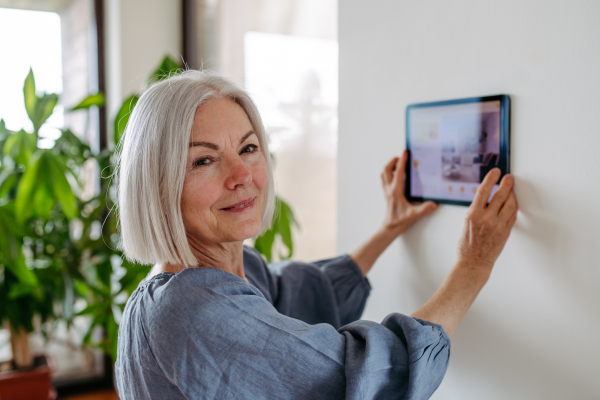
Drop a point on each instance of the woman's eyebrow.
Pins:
(214, 146)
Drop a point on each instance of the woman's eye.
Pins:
(250, 148)
(201, 161)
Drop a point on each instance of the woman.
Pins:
(213, 321)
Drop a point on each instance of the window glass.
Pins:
(293, 80)
(30, 39)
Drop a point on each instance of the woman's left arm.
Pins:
(400, 214)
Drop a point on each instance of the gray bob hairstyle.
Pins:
(152, 165)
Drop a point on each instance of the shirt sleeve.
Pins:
(331, 291)
(228, 342)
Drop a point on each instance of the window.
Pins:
(35, 41)
(293, 80)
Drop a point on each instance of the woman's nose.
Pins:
(238, 174)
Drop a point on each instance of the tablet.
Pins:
(453, 144)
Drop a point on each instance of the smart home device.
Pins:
(453, 144)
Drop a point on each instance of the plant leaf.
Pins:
(123, 116)
(19, 290)
(34, 193)
(70, 138)
(284, 227)
(69, 146)
(264, 244)
(92, 309)
(283, 221)
(104, 270)
(7, 182)
(43, 200)
(81, 288)
(18, 268)
(61, 187)
(20, 146)
(10, 246)
(29, 95)
(112, 331)
(43, 109)
(26, 189)
(92, 100)
(4, 133)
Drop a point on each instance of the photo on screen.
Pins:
(470, 146)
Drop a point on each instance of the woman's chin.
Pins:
(247, 230)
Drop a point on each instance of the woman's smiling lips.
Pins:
(241, 206)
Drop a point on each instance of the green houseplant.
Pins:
(58, 243)
(38, 255)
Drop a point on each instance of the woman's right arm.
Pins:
(486, 231)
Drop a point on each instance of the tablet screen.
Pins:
(452, 147)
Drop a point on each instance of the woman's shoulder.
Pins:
(170, 298)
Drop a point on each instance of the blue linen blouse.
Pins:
(289, 332)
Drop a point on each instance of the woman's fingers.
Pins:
(485, 189)
(502, 194)
(487, 229)
(509, 209)
(403, 162)
(388, 171)
(400, 171)
(511, 221)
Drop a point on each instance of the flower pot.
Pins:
(33, 383)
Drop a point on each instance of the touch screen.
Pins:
(452, 148)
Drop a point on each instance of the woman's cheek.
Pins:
(200, 192)
(260, 173)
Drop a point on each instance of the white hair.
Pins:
(152, 165)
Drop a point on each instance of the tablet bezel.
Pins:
(504, 162)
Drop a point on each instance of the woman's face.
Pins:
(224, 189)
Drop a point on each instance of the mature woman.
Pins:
(212, 320)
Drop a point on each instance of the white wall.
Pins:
(533, 332)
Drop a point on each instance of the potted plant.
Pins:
(38, 256)
(59, 241)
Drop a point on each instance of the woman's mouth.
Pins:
(241, 206)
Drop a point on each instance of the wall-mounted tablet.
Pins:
(453, 144)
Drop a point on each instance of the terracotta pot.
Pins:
(33, 383)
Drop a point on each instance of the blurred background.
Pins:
(72, 70)
(84, 63)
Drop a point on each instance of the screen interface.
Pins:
(452, 149)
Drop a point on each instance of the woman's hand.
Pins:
(400, 214)
(488, 226)
(486, 231)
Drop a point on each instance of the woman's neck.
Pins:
(228, 257)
